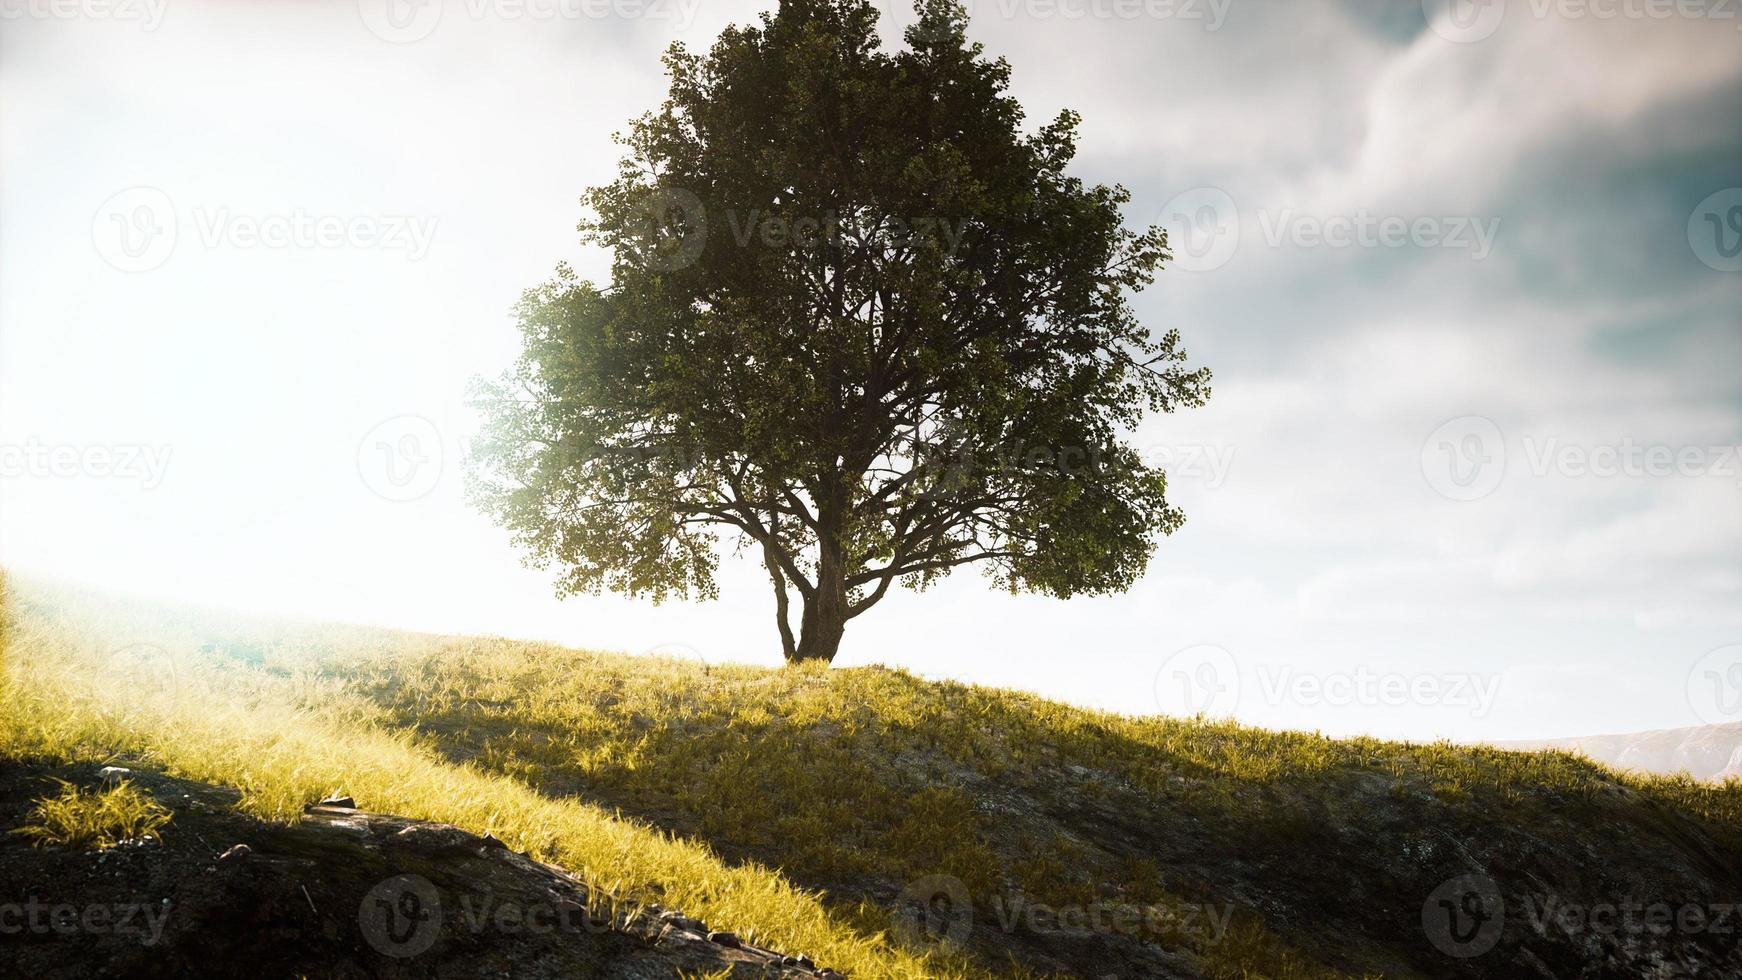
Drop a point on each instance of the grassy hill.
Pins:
(897, 827)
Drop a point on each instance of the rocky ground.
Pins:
(342, 894)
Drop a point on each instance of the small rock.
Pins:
(726, 939)
(113, 775)
(678, 920)
(342, 802)
(494, 843)
(236, 853)
(831, 975)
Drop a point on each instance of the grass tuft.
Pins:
(94, 820)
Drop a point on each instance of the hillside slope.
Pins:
(1702, 751)
(341, 894)
(900, 827)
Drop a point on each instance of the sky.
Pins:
(1468, 278)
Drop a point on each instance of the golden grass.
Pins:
(97, 819)
(74, 693)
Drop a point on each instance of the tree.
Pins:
(859, 321)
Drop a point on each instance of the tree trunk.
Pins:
(820, 633)
(825, 612)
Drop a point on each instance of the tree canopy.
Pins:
(859, 322)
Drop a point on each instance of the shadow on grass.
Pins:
(1260, 845)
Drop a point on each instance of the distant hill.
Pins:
(1703, 751)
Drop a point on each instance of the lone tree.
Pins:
(859, 320)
